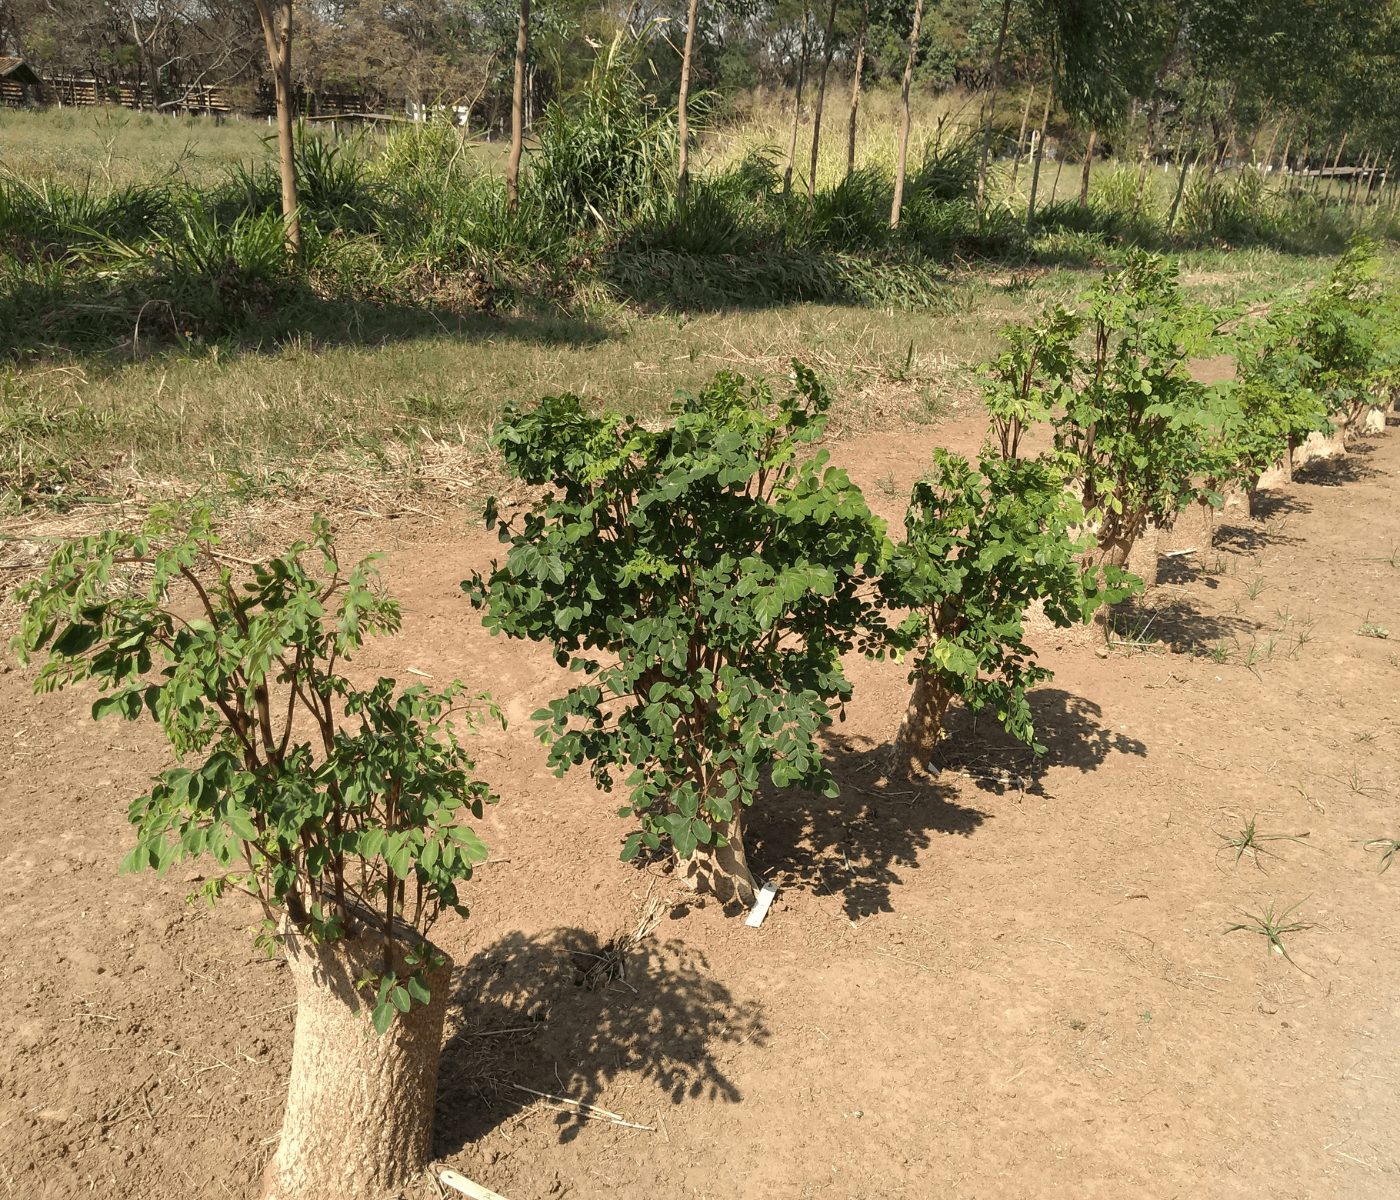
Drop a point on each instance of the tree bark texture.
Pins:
(359, 1116)
(276, 18)
(828, 45)
(1088, 163)
(855, 88)
(797, 101)
(922, 726)
(723, 871)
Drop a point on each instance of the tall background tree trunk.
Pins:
(1038, 154)
(276, 18)
(797, 101)
(1088, 163)
(359, 1117)
(1021, 138)
(992, 103)
(517, 107)
(855, 87)
(902, 156)
(828, 45)
(683, 117)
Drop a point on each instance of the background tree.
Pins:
(276, 18)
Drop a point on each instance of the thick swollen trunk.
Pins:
(723, 871)
(359, 1116)
(1114, 549)
(922, 726)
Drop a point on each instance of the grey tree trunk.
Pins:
(682, 113)
(517, 106)
(276, 18)
(902, 158)
(797, 102)
(359, 1116)
(855, 88)
(828, 46)
(992, 103)
(1088, 163)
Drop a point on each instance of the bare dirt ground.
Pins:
(1010, 981)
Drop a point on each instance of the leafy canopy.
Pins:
(1135, 422)
(981, 545)
(335, 805)
(704, 578)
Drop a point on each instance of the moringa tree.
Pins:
(703, 579)
(333, 804)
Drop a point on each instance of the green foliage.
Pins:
(1135, 426)
(1033, 378)
(335, 805)
(982, 544)
(704, 578)
(1339, 334)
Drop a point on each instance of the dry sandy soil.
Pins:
(1012, 980)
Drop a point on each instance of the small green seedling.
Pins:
(1250, 841)
(1370, 629)
(1388, 848)
(1273, 925)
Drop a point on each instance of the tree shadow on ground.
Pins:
(1070, 727)
(87, 316)
(567, 1013)
(1339, 470)
(1251, 537)
(1271, 502)
(1175, 622)
(856, 844)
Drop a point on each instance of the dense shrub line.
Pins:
(702, 580)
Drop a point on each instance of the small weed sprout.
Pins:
(1250, 841)
(1370, 629)
(1273, 926)
(1388, 848)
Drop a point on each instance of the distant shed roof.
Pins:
(18, 70)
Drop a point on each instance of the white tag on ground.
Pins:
(460, 1183)
(761, 905)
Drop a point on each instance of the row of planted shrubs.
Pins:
(703, 580)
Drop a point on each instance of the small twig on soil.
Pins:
(585, 1109)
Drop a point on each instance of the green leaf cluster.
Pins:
(982, 544)
(336, 805)
(704, 579)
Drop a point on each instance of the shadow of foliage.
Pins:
(1272, 502)
(856, 844)
(1177, 623)
(82, 314)
(1070, 727)
(1247, 538)
(1339, 470)
(566, 1013)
